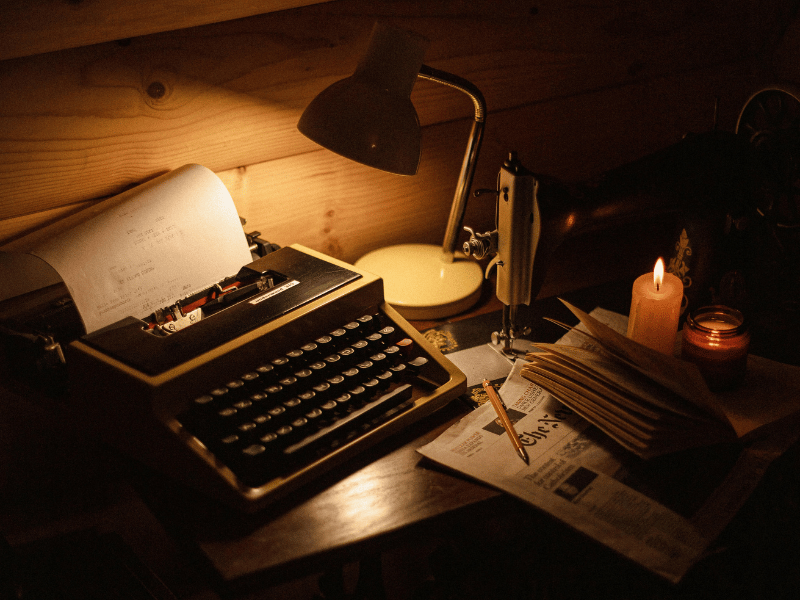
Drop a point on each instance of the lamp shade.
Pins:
(369, 117)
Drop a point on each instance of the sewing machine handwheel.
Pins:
(770, 121)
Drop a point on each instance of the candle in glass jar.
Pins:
(716, 339)
(655, 309)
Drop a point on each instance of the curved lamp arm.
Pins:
(459, 206)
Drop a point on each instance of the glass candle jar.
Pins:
(716, 339)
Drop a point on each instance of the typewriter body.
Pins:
(273, 384)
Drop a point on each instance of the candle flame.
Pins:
(658, 274)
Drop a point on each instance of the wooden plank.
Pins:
(89, 122)
(345, 209)
(28, 28)
(11, 229)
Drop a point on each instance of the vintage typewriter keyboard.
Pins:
(299, 406)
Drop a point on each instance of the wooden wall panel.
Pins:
(324, 201)
(86, 123)
(576, 89)
(18, 226)
(36, 26)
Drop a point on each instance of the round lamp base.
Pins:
(420, 285)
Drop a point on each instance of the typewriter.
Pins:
(252, 386)
(303, 370)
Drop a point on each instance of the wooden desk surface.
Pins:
(388, 497)
(391, 495)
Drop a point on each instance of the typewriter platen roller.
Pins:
(269, 389)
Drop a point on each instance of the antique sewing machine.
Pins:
(724, 200)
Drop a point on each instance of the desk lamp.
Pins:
(369, 117)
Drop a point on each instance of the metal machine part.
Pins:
(514, 244)
(770, 123)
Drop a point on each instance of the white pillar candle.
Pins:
(655, 309)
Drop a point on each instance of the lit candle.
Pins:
(655, 309)
(716, 339)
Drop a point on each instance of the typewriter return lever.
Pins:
(514, 243)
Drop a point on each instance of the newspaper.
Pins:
(662, 514)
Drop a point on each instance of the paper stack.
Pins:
(653, 403)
